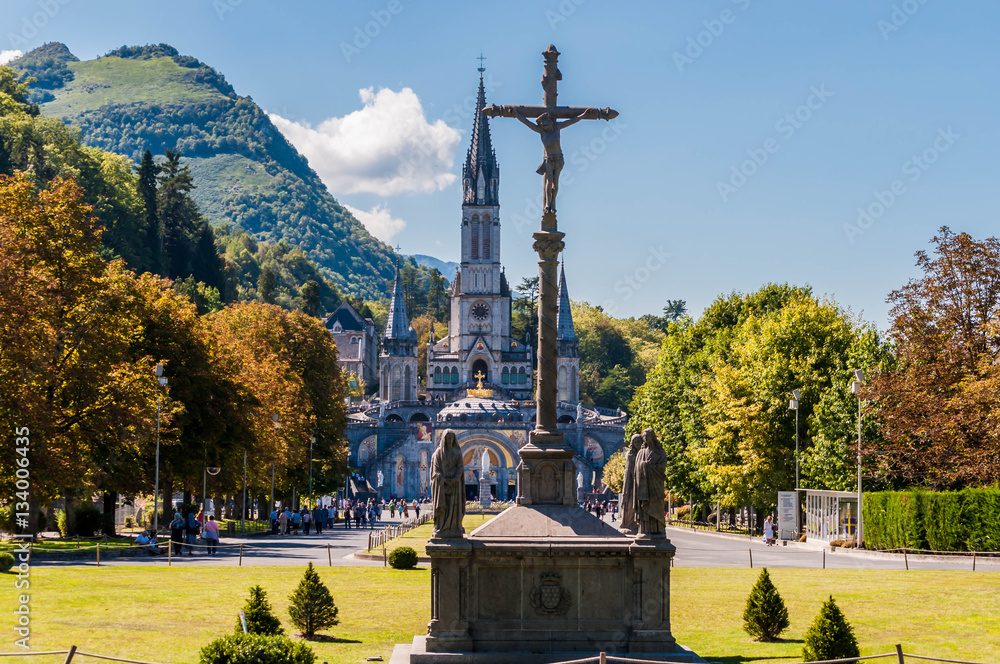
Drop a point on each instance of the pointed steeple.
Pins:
(564, 317)
(398, 325)
(481, 173)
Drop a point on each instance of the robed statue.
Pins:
(650, 483)
(448, 488)
(629, 523)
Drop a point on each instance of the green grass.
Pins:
(123, 81)
(167, 614)
(417, 538)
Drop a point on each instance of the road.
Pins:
(694, 549)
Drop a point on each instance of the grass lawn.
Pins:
(167, 614)
(418, 537)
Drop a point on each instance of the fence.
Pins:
(70, 654)
(900, 656)
(379, 537)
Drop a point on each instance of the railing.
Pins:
(70, 654)
(900, 656)
(381, 536)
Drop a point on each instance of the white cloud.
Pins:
(7, 56)
(386, 148)
(379, 222)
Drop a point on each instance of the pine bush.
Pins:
(256, 649)
(830, 636)
(765, 615)
(405, 557)
(6, 562)
(312, 608)
(259, 616)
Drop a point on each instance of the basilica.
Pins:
(479, 378)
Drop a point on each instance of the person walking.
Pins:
(193, 528)
(296, 522)
(358, 515)
(274, 521)
(317, 517)
(306, 520)
(347, 517)
(283, 522)
(177, 534)
(769, 531)
(212, 534)
(392, 509)
(416, 508)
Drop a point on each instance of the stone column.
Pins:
(548, 244)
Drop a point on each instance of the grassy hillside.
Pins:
(245, 172)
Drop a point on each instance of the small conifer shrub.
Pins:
(259, 616)
(765, 615)
(830, 636)
(312, 608)
(405, 557)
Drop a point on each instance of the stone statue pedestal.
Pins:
(545, 581)
(485, 494)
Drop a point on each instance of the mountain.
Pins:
(446, 268)
(245, 172)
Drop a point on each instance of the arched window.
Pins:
(521, 378)
(487, 234)
(454, 375)
(437, 375)
(505, 376)
(474, 234)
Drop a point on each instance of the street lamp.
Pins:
(856, 391)
(209, 470)
(277, 425)
(794, 405)
(312, 440)
(156, 483)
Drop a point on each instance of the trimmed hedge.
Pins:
(405, 557)
(967, 520)
(256, 649)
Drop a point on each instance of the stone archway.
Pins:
(480, 365)
(503, 460)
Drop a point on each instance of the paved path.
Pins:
(694, 549)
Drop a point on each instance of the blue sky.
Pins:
(750, 133)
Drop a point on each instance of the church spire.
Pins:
(564, 317)
(481, 173)
(398, 325)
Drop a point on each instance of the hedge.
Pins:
(967, 520)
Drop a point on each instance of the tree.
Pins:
(179, 216)
(259, 616)
(614, 471)
(309, 297)
(437, 296)
(148, 171)
(267, 283)
(674, 311)
(765, 615)
(937, 405)
(311, 606)
(830, 636)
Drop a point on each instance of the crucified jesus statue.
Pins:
(552, 162)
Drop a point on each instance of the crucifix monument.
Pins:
(545, 580)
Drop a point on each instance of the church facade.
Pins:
(479, 378)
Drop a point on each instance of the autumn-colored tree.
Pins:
(938, 407)
(65, 367)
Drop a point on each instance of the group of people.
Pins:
(185, 530)
(600, 508)
(290, 522)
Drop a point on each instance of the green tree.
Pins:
(259, 616)
(179, 217)
(267, 284)
(765, 615)
(148, 172)
(830, 636)
(311, 606)
(309, 297)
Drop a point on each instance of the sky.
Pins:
(780, 141)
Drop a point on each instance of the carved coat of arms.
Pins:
(549, 597)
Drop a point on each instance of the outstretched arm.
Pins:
(527, 123)
(573, 121)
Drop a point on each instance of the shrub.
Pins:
(311, 605)
(765, 615)
(403, 558)
(682, 512)
(259, 616)
(129, 522)
(6, 562)
(7, 519)
(61, 522)
(830, 636)
(256, 649)
(837, 543)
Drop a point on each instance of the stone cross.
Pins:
(548, 241)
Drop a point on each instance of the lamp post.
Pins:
(277, 425)
(209, 470)
(312, 440)
(243, 512)
(856, 391)
(794, 405)
(156, 483)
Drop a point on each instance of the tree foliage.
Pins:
(830, 636)
(259, 616)
(311, 606)
(765, 616)
(939, 420)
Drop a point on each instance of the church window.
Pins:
(505, 376)
(355, 340)
(486, 238)
(474, 234)
(437, 375)
(521, 378)
(481, 188)
(454, 375)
